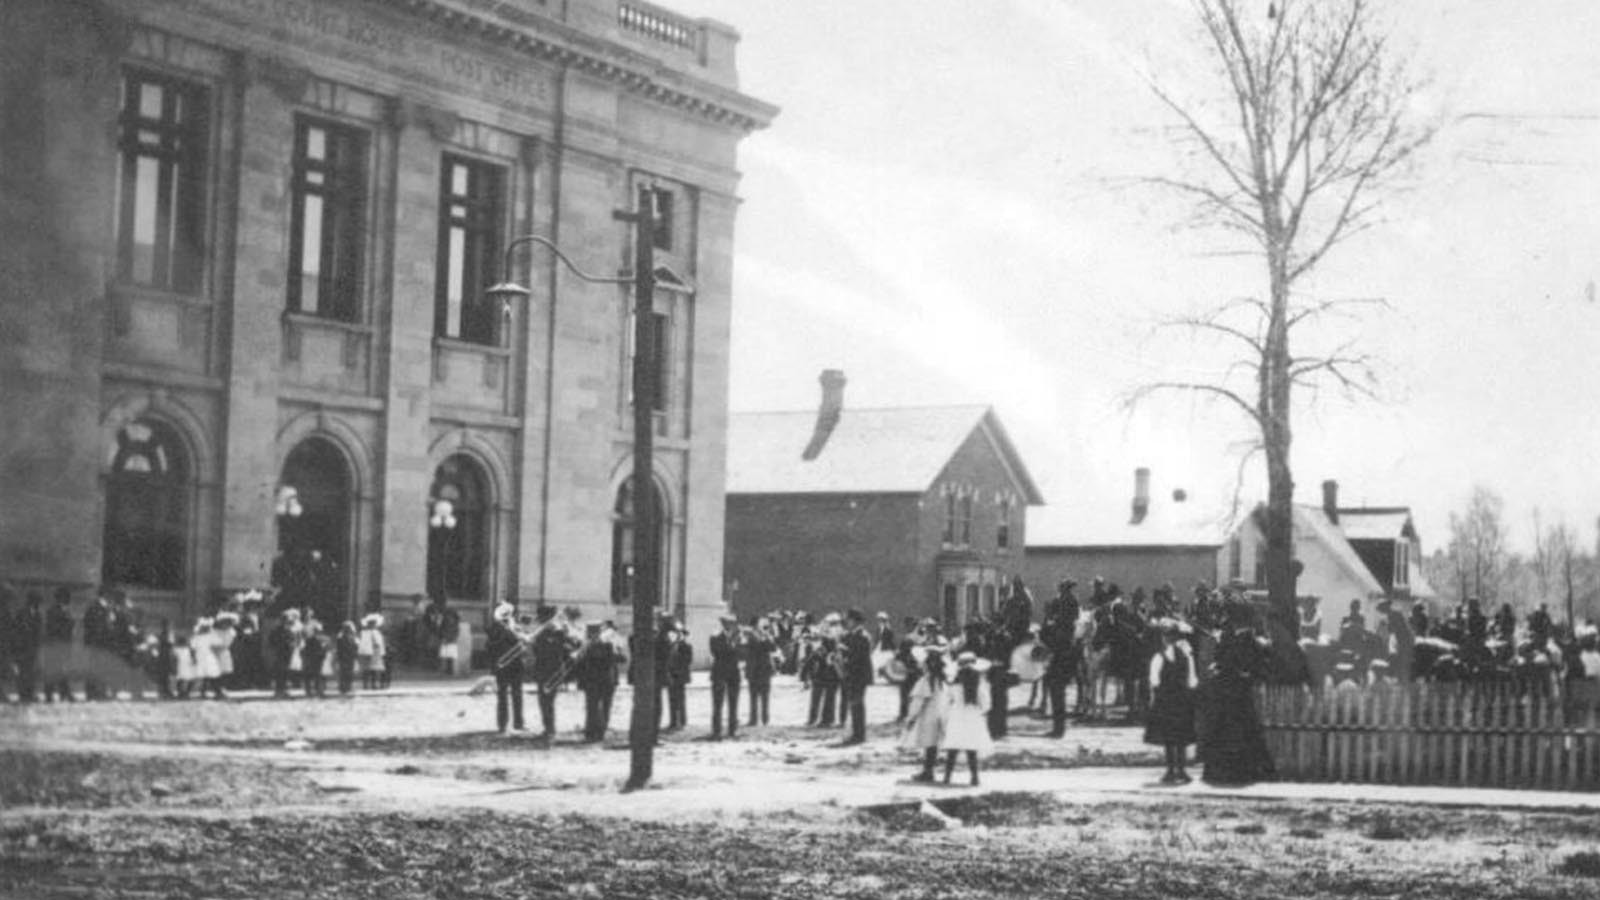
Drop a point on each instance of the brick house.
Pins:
(1152, 539)
(910, 511)
(244, 317)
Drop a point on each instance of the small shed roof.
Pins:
(883, 451)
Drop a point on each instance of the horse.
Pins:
(1094, 659)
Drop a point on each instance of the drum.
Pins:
(1025, 664)
(895, 672)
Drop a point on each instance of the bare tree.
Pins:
(1315, 125)
(1478, 546)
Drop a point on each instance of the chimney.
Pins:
(1141, 494)
(833, 382)
(1330, 500)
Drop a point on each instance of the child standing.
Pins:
(966, 725)
(371, 649)
(1172, 708)
(315, 655)
(345, 650)
(926, 710)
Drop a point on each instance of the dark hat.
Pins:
(544, 613)
(592, 627)
(1066, 583)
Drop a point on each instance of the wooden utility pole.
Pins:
(646, 515)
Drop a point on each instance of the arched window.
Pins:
(624, 545)
(316, 495)
(458, 530)
(147, 509)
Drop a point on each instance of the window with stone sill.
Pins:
(164, 130)
(470, 216)
(328, 220)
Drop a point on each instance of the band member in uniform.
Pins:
(758, 667)
(727, 646)
(676, 665)
(506, 652)
(857, 649)
(552, 658)
(596, 672)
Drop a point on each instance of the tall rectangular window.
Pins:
(469, 250)
(663, 233)
(1402, 564)
(328, 223)
(165, 125)
(1002, 537)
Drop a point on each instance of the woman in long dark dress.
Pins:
(1233, 747)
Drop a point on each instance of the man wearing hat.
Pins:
(675, 666)
(1057, 634)
(857, 675)
(726, 647)
(912, 637)
(552, 657)
(505, 649)
(1402, 641)
(596, 676)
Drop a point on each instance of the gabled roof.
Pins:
(1313, 521)
(1376, 524)
(871, 451)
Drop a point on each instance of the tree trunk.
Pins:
(1278, 439)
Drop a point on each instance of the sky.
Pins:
(948, 208)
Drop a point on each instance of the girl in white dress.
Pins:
(966, 724)
(927, 708)
(206, 669)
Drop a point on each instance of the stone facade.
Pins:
(213, 390)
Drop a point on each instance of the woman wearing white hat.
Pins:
(370, 647)
(966, 725)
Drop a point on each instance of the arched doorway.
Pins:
(145, 541)
(624, 545)
(458, 531)
(314, 508)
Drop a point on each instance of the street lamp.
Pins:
(647, 549)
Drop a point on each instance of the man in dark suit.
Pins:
(506, 655)
(596, 675)
(726, 647)
(678, 660)
(857, 649)
(552, 649)
(97, 635)
(1058, 634)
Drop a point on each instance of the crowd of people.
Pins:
(1185, 670)
(49, 653)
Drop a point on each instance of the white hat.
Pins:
(372, 620)
(503, 612)
(969, 660)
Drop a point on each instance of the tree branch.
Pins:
(1143, 392)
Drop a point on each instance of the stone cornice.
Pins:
(636, 72)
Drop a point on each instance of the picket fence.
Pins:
(1495, 735)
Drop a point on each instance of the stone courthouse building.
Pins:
(243, 329)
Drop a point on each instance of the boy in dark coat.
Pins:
(312, 656)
